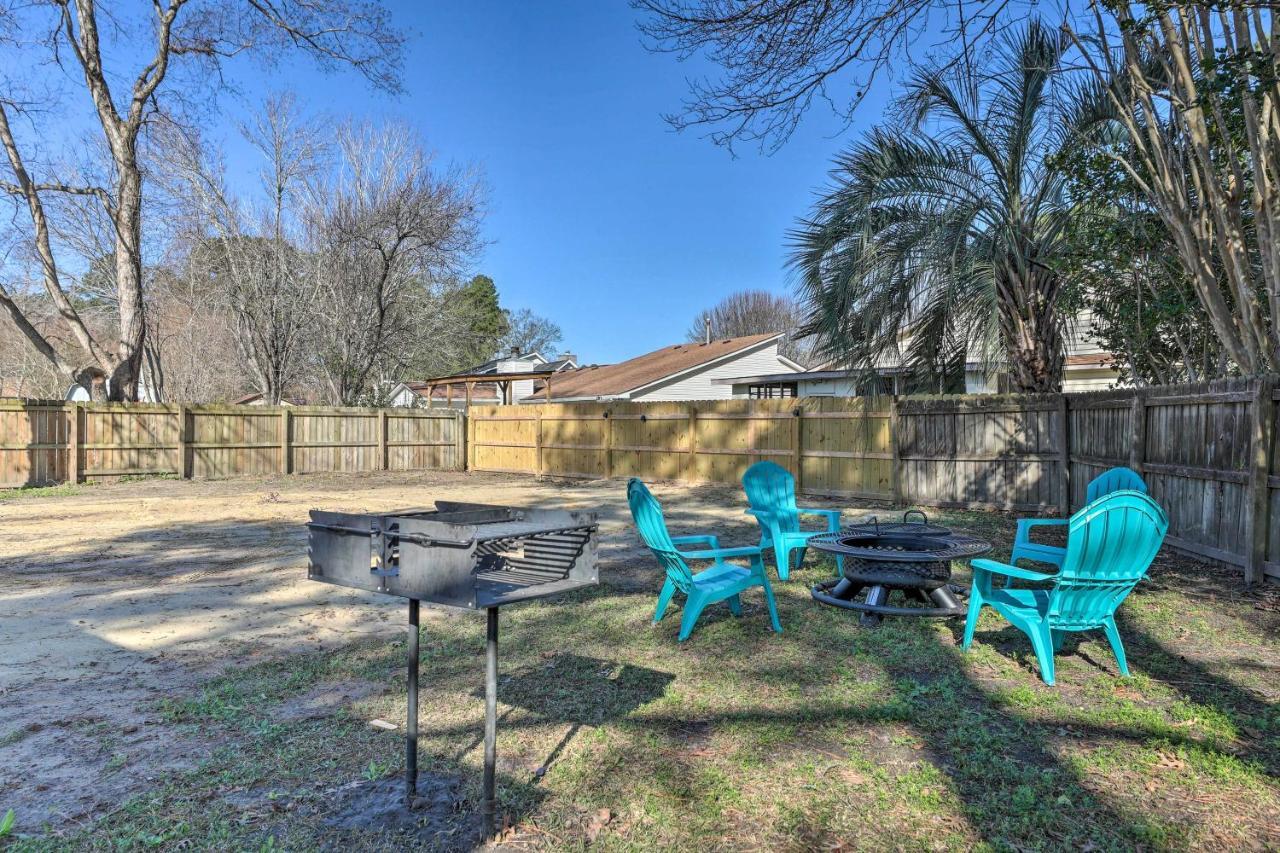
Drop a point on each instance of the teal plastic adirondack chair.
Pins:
(1110, 544)
(722, 582)
(1105, 483)
(771, 491)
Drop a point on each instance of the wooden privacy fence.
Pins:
(47, 442)
(834, 446)
(1208, 452)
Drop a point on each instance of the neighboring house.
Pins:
(77, 393)
(1088, 368)
(680, 372)
(502, 379)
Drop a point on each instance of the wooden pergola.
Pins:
(504, 382)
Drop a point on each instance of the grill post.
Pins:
(490, 717)
(411, 723)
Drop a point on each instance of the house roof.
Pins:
(612, 380)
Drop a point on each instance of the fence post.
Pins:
(184, 444)
(1257, 523)
(537, 443)
(692, 472)
(286, 452)
(73, 444)
(1064, 457)
(382, 439)
(471, 434)
(460, 419)
(608, 446)
(797, 445)
(1138, 418)
(895, 452)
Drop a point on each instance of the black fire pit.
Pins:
(911, 557)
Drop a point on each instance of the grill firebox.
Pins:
(459, 555)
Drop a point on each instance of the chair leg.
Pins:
(692, 610)
(782, 559)
(735, 605)
(800, 557)
(1042, 642)
(1117, 647)
(664, 598)
(971, 621)
(772, 605)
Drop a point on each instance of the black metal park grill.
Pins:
(911, 558)
(460, 555)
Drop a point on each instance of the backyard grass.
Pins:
(829, 736)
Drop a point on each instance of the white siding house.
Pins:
(687, 371)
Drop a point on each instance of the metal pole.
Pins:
(490, 717)
(411, 723)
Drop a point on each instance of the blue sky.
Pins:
(602, 217)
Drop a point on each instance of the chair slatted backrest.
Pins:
(647, 514)
(1114, 480)
(1110, 545)
(771, 489)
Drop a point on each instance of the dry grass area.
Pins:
(170, 680)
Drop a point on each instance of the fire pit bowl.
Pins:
(912, 558)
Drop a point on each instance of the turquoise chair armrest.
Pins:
(721, 553)
(998, 568)
(709, 539)
(1025, 524)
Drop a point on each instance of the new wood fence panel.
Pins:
(504, 438)
(33, 443)
(833, 446)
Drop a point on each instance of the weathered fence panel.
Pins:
(833, 446)
(1195, 446)
(47, 442)
(1000, 452)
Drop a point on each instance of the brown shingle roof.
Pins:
(610, 380)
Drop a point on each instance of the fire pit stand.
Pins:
(463, 556)
(911, 557)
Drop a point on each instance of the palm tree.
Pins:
(940, 239)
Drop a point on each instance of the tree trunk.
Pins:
(1032, 333)
(128, 245)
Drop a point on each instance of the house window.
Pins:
(771, 390)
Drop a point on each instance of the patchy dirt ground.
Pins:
(169, 678)
(125, 594)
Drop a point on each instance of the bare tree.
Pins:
(754, 312)
(530, 332)
(779, 56)
(255, 255)
(385, 228)
(1196, 89)
(195, 35)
